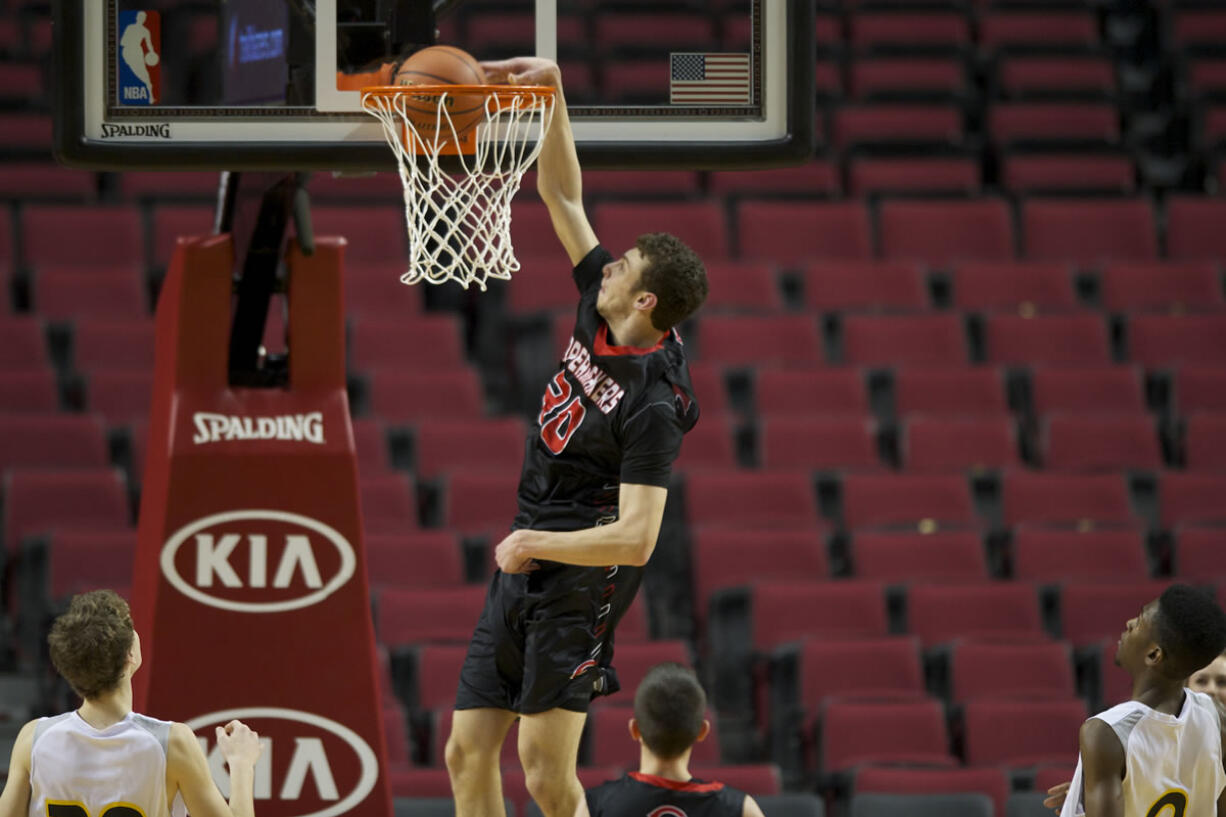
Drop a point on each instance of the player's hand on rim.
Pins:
(522, 71)
(510, 555)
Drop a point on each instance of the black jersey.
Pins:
(611, 414)
(644, 795)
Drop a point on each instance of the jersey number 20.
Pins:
(61, 808)
(561, 414)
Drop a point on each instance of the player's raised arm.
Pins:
(187, 771)
(15, 801)
(558, 177)
(1102, 762)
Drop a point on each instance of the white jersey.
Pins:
(75, 766)
(1173, 763)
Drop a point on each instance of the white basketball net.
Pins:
(459, 224)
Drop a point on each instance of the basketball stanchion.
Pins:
(459, 222)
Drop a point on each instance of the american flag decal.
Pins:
(709, 79)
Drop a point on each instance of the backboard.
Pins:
(271, 84)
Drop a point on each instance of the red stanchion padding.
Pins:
(250, 590)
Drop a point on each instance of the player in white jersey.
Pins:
(1161, 753)
(104, 760)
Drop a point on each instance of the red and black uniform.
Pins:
(644, 795)
(611, 414)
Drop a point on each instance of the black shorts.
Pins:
(544, 640)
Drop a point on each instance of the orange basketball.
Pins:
(443, 65)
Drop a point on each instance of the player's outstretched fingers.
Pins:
(1056, 795)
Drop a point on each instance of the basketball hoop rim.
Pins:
(499, 91)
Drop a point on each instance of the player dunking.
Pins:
(104, 760)
(669, 718)
(1161, 753)
(591, 495)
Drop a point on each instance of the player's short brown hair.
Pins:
(675, 275)
(90, 642)
(669, 707)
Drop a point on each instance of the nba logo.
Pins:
(140, 57)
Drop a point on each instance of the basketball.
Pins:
(443, 65)
(151, 58)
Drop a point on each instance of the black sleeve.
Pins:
(651, 440)
(588, 271)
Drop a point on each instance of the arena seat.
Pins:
(1168, 340)
(120, 397)
(112, 345)
(373, 290)
(1055, 498)
(375, 233)
(1191, 498)
(958, 804)
(371, 443)
(431, 681)
(958, 443)
(1013, 123)
(496, 443)
(850, 285)
(26, 132)
(1206, 76)
(891, 76)
(1092, 611)
(1198, 27)
(409, 397)
(52, 441)
(819, 442)
(955, 391)
(1094, 172)
(711, 388)
(627, 181)
(1205, 442)
(1029, 75)
(759, 340)
(1066, 340)
(66, 293)
(420, 615)
(1021, 733)
(33, 181)
(989, 669)
(426, 343)
(785, 610)
(186, 184)
(990, 781)
(927, 340)
(1063, 554)
(389, 502)
(1013, 285)
(1072, 32)
(905, 499)
(1200, 551)
(1090, 389)
(1193, 229)
(170, 222)
(1161, 286)
(809, 391)
(942, 174)
(1100, 442)
(730, 557)
(710, 444)
(818, 177)
(740, 287)
(632, 661)
(396, 737)
(701, 225)
(102, 236)
(411, 785)
(854, 733)
(1199, 389)
(73, 561)
(1047, 775)
(636, 30)
(938, 612)
(902, 28)
(425, 558)
(480, 501)
(945, 231)
(32, 392)
(47, 500)
(904, 556)
(766, 499)
(789, 232)
(899, 124)
(1089, 231)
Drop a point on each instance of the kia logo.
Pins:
(257, 561)
(308, 759)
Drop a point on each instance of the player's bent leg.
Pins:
(549, 752)
(472, 760)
